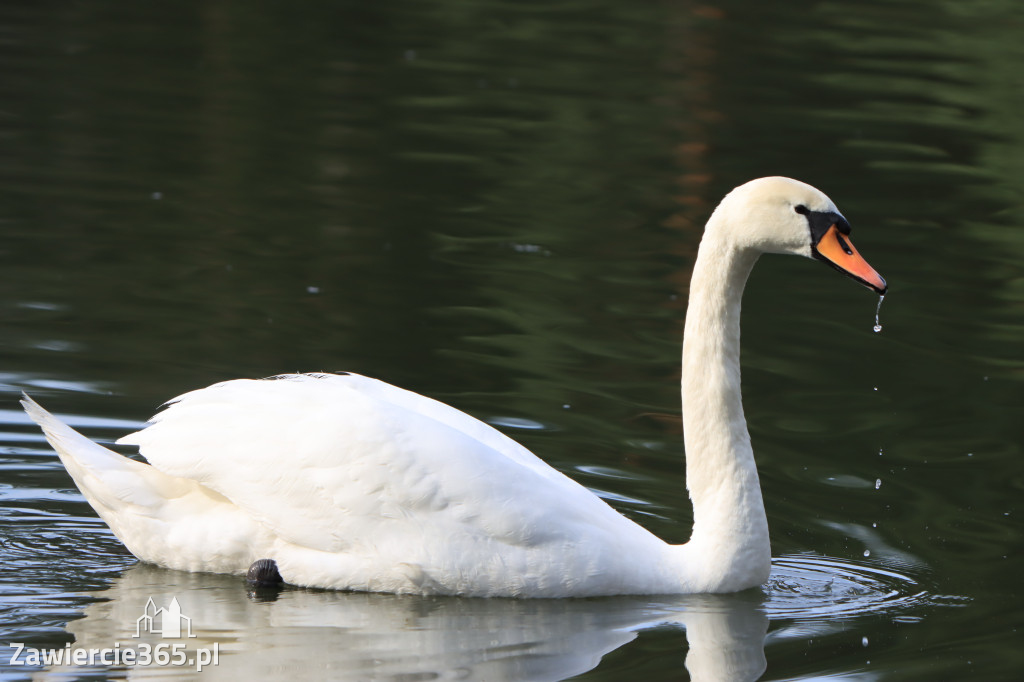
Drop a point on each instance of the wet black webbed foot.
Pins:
(263, 573)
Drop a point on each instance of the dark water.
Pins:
(498, 204)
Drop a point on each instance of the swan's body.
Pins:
(347, 482)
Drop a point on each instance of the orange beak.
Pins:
(837, 250)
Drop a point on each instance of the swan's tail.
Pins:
(109, 481)
(167, 520)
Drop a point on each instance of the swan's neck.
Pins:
(729, 547)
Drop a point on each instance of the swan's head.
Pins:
(781, 215)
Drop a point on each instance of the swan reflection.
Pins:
(309, 634)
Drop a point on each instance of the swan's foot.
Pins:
(263, 573)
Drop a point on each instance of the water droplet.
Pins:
(864, 641)
(878, 325)
(878, 483)
(312, 290)
(867, 552)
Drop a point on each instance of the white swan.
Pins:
(347, 482)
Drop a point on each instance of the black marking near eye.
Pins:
(821, 221)
(802, 210)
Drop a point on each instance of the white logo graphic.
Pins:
(167, 621)
(171, 620)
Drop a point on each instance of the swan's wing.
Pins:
(342, 462)
(388, 395)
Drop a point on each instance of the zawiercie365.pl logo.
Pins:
(173, 626)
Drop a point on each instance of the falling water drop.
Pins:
(878, 326)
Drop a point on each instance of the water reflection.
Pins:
(338, 635)
(317, 634)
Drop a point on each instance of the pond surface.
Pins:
(498, 205)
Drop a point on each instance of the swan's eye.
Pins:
(801, 209)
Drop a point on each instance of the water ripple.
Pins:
(806, 587)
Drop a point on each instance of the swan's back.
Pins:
(363, 485)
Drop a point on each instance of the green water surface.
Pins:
(498, 204)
